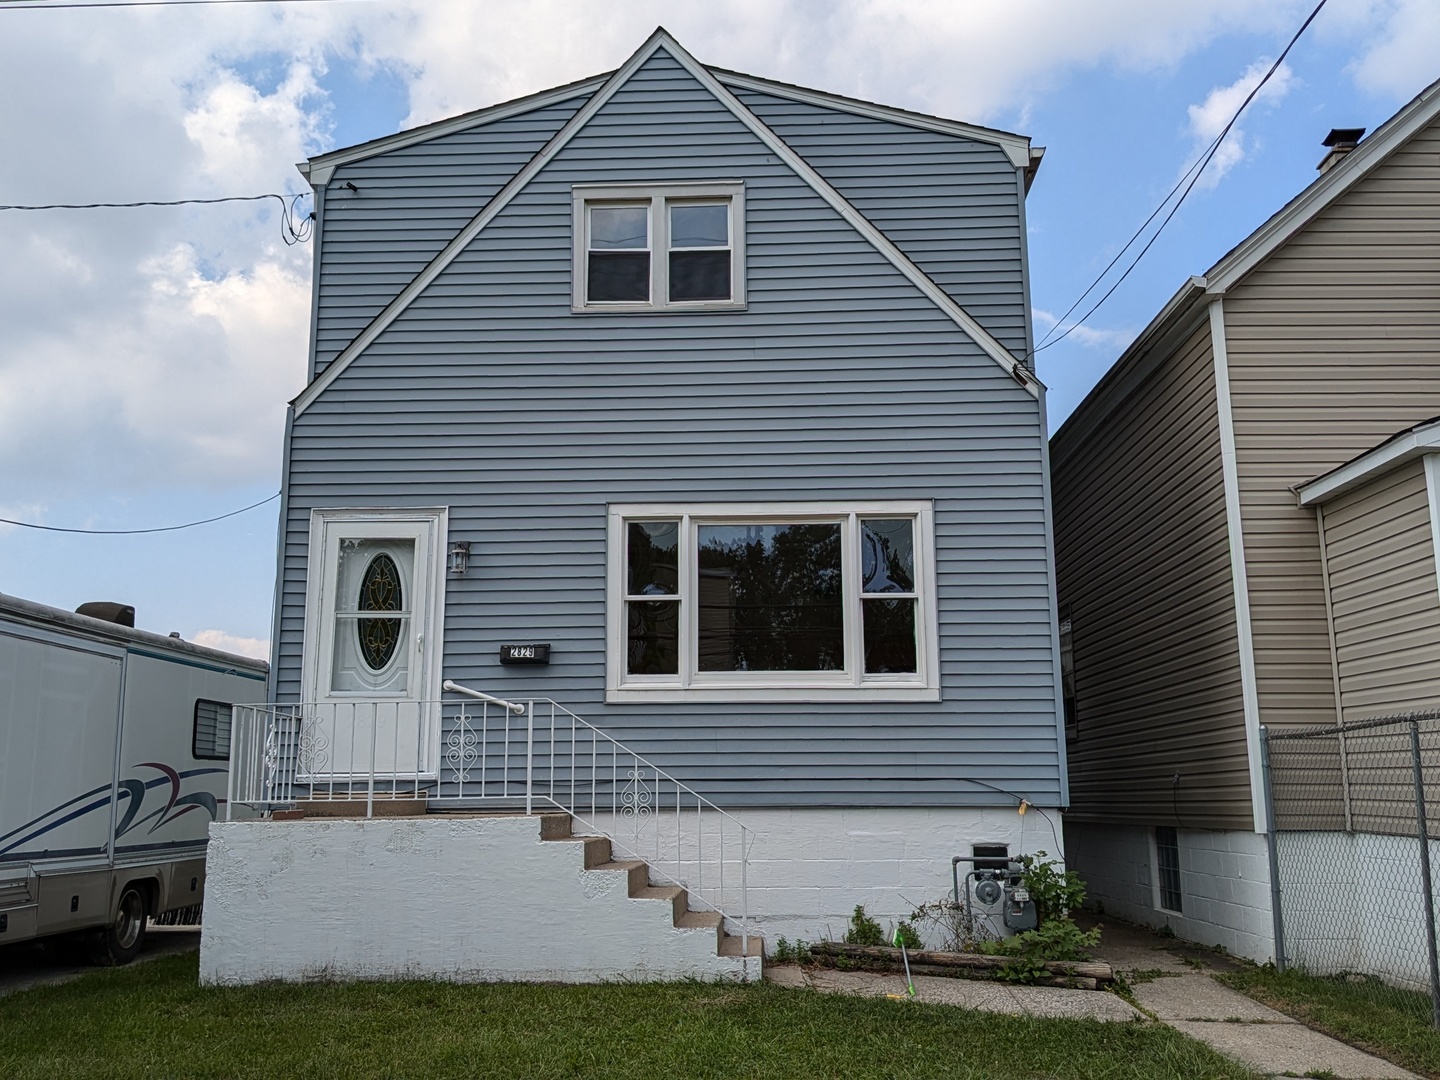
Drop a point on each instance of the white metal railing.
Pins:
(482, 750)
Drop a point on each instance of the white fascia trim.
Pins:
(1413, 444)
(878, 240)
(492, 209)
(1016, 147)
(1355, 166)
(318, 170)
(1249, 693)
(1432, 495)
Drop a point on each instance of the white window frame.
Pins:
(851, 684)
(659, 197)
(430, 527)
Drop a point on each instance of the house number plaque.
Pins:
(525, 654)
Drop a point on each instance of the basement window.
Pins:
(1167, 866)
(659, 247)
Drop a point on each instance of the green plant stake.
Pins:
(899, 942)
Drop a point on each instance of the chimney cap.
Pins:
(1343, 136)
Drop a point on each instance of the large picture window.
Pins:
(651, 247)
(795, 600)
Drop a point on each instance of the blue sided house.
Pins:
(665, 559)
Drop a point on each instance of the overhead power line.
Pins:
(1188, 180)
(41, 5)
(136, 532)
(295, 227)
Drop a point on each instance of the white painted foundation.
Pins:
(808, 869)
(476, 899)
(1224, 881)
(1354, 902)
(462, 899)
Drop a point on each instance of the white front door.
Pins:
(372, 644)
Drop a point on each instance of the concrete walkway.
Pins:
(997, 997)
(1173, 983)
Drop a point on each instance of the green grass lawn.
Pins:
(152, 1020)
(1396, 1024)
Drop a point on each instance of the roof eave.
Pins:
(1390, 454)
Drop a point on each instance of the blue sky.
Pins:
(148, 354)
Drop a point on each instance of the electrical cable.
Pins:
(1023, 801)
(135, 532)
(1193, 173)
(38, 5)
(295, 227)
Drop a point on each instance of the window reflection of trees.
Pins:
(770, 598)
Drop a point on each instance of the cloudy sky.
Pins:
(146, 354)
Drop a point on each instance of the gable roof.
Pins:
(1183, 311)
(661, 39)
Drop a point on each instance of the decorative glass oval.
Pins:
(379, 591)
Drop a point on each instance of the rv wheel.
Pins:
(120, 941)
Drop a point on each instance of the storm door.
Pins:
(372, 658)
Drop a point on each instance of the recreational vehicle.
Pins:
(113, 759)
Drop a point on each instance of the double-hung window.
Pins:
(798, 601)
(657, 247)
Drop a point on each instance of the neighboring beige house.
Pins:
(1195, 602)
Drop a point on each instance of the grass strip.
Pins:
(1394, 1024)
(153, 1020)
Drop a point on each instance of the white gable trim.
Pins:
(318, 170)
(1016, 147)
(1344, 175)
(661, 39)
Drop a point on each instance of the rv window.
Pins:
(211, 740)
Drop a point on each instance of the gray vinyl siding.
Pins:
(1143, 566)
(409, 204)
(951, 204)
(839, 381)
(1332, 344)
(1383, 593)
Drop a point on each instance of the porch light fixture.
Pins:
(459, 557)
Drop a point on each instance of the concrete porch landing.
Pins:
(474, 898)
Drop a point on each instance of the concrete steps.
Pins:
(598, 856)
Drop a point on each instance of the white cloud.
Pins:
(145, 348)
(1398, 59)
(1208, 119)
(258, 648)
(1112, 341)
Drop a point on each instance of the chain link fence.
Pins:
(1355, 843)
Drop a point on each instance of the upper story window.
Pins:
(657, 247)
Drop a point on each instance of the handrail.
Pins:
(456, 688)
(659, 773)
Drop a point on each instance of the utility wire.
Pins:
(295, 227)
(135, 532)
(38, 5)
(1193, 174)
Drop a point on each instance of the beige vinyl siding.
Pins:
(1334, 344)
(1383, 593)
(1143, 563)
